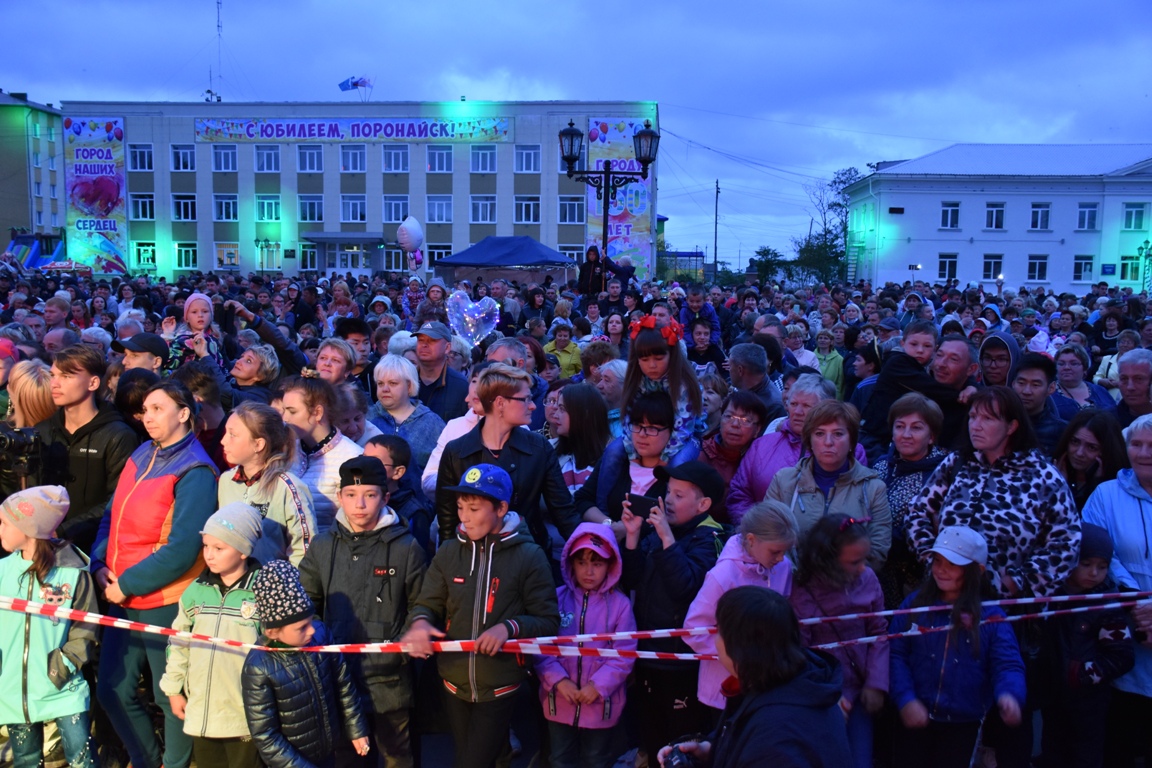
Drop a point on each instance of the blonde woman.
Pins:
(30, 390)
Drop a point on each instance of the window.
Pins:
(52, 191)
(55, 219)
(1130, 268)
(436, 252)
(483, 158)
(267, 158)
(140, 159)
(571, 209)
(183, 157)
(186, 256)
(395, 208)
(39, 218)
(994, 217)
(527, 209)
(394, 260)
(144, 254)
(1082, 268)
(439, 209)
(1133, 215)
(311, 207)
(395, 158)
(352, 158)
(1086, 217)
(993, 265)
(1038, 267)
(948, 263)
(527, 158)
(225, 208)
(184, 207)
(51, 133)
(353, 208)
(228, 256)
(310, 158)
(35, 159)
(439, 158)
(581, 164)
(37, 189)
(142, 207)
(307, 253)
(224, 158)
(483, 209)
(267, 207)
(574, 252)
(35, 130)
(269, 258)
(51, 162)
(1040, 213)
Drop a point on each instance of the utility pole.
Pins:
(715, 228)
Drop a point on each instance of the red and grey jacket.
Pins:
(150, 535)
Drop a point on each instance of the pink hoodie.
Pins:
(582, 613)
(734, 568)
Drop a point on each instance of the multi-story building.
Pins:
(1057, 216)
(323, 186)
(32, 197)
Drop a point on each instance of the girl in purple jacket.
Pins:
(583, 697)
(756, 557)
(833, 580)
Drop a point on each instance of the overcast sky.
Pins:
(764, 96)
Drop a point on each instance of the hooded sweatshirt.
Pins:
(1001, 339)
(603, 611)
(734, 568)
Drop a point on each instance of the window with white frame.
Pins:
(310, 158)
(527, 158)
(994, 216)
(225, 208)
(144, 255)
(353, 208)
(1130, 268)
(140, 159)
(1040, 213)
(395, 158)
(51, 133)
(37, 189)
(186, 257)
(1086, 216)
(184, 207)
(571, 209)
(35, 159)
(581, 164)
(483, 158)
(395, 208)
(307, 253)
(39, 218)
(948, 266)
(51, 162)
(267, 158)
(949, 215)
(35, 130)
(52, 191)
(55, 219)
(527, 209)
(311, 207)
(993, 265)
(267, 207)
(183, 157)
(227, 256)
(224, 158)
(483, 209)
(439, 209)
(353, 158)
(435, 252)
(1082, 268)
(439, 158)
(1134, 215)
(269, 257)
(1038, 267)
(394, 260)
(142, 207)
(574, 252)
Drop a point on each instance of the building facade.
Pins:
(32, 198)
(298, 187)
(1057, 216)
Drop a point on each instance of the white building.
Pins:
(1060, 216)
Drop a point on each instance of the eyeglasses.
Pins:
(525, 399)
(1072, 363)
(994, 362)
(743, 421)
(554, 403)
(646, 430)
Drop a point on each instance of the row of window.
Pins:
(1037, 267)
(1087, 216)
(51, 131)
(38, 190)
(36, 162)
(354, 208)
(353, 158)
(40, 219)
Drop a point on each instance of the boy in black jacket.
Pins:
(491, 583)
(667, 569)
(363, 575)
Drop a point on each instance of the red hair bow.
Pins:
(672, 332)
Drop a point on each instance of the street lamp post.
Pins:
(914, 268)
(606, 180)
(262, 246)
(1145, 251)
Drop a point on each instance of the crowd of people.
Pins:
(292, 462)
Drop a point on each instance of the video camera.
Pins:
(20, 451)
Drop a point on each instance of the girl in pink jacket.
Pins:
(583, 697)
(755, 556)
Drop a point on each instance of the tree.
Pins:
(772, 266)
(820, 256)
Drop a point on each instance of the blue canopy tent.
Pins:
(494, 254)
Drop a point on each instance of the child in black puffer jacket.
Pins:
(294, 700)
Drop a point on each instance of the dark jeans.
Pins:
(391, 740)
(574, 747)
(667, 705)
(123, 657)
(27, 741)
(225, 753)
(479, 731)
(939, 745)
(1129, 736)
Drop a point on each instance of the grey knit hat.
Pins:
(236, 524)
(280, 597)
(37, 512)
